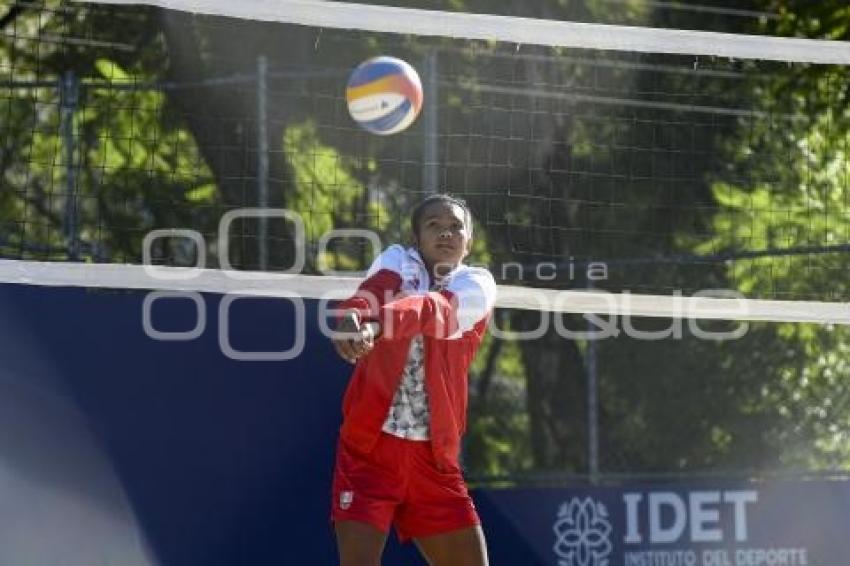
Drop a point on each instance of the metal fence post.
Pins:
(262, 160)
(430, 151)
(592, 400)
(69, 95)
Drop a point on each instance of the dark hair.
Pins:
(416, 213)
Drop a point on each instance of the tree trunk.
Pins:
(223, 123)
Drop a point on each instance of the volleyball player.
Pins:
(412, 329)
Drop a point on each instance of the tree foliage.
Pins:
(164, 135)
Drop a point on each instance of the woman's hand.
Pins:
(352, 339)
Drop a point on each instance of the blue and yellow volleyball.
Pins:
(384, 95)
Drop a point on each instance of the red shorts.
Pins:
(399, 483)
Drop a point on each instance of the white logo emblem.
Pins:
(582, 533)
(345, 499)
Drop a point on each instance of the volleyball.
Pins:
(384, 95)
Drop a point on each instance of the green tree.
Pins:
(164, 136)
(788, 188)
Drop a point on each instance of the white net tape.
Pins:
(113, 276)
(529, 31)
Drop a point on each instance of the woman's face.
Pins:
(444, 238)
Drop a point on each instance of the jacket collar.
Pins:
(413, 254)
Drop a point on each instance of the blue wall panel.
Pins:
(229, 462)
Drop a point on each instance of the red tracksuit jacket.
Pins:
(452, 322)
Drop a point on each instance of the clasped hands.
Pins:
(354, 339)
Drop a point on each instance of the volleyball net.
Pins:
(666, 211)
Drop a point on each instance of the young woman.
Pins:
(412, 330)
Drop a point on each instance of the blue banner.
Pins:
(776, 523)
(225, 462)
